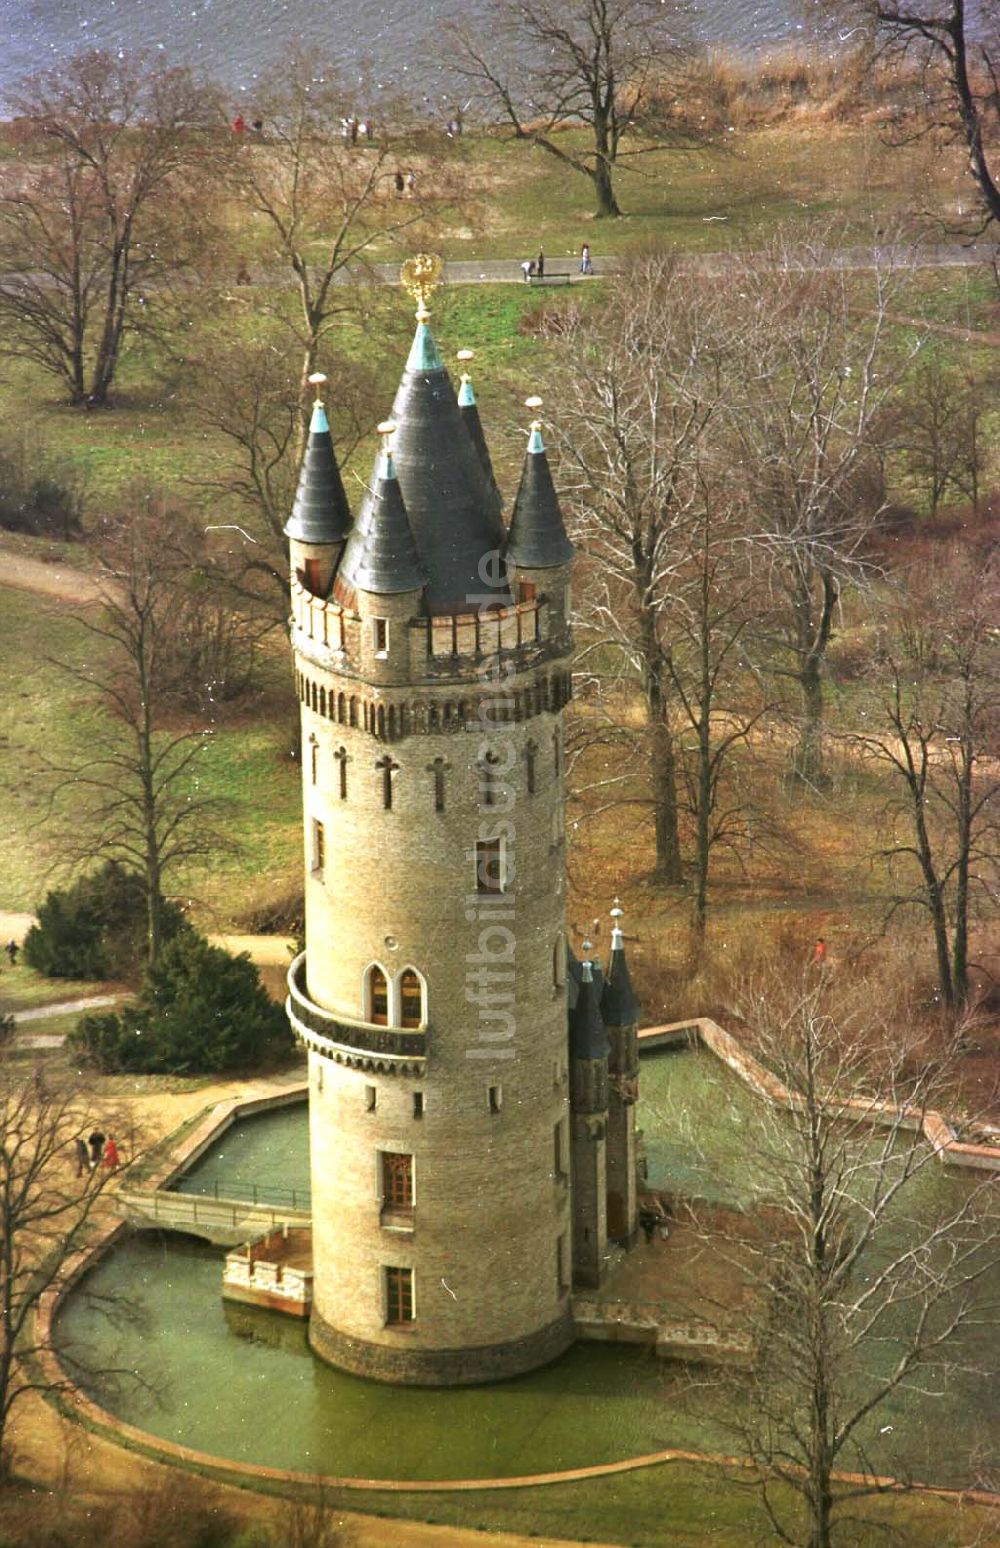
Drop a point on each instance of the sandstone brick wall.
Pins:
(398, 888)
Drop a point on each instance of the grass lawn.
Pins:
(44, 717)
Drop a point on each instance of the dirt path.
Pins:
(48, 578)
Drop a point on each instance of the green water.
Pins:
(268, 1153)
(242, 1384)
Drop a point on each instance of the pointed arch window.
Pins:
(377, 997)
(411, 998)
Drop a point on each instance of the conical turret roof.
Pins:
(587, 1036)
(619, 1003)
(537, 538)
(454, 517)
(381, 555)
(469, 410)
(320, 513)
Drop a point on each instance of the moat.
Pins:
(243, 1385)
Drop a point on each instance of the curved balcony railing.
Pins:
(342, 1034)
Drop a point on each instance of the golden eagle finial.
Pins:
(421, 275)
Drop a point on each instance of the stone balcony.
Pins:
(359, 1044)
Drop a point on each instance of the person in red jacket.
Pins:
(819, 952)
(112, 1160)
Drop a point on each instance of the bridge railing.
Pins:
(177, 1210)
(239, 1188)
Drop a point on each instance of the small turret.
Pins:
(469, 410)
(620, 1012)
(619, 1003)
(588, 1039)
(537, 538)
(381, 555)
(321, 517)
(588, 1085)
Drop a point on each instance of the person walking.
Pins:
(400, 183)
(819, 952)
(112, 1160)
(12, 949)
(96, 1141)
(540, 264)
(586, 267)
(411, 181)
(528, 269)
(82, 1155)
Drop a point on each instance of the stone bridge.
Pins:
(223, 1222)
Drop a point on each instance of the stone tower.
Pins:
(431, 657)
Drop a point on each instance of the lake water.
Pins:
(233, 40)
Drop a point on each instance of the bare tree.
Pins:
(940, 432)
(137, 796)
(720, 698)
(822, 369)
(863, 1278)
(956, 47)
(250, 396)
(938, 734)
(325, 204)
(50, 1203)
(599, 63)
(102, 214)
(641, 388)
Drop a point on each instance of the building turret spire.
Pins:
(469, 410)
(537, 538)
(619, 1002)
(453, 512)
(587, 1036)
(381, 556)
(320, 514)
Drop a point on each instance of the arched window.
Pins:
(411, 998)
(377, 997)
(322, 702)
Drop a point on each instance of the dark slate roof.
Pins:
(469, 410)
(381, 555)
(587, 1037)
(619, 1004)
(454, 517)
(537, 539)
(320, 513)
(574, 972)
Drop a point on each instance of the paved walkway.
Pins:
(500, 271)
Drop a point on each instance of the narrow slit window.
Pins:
(341, 757)
(489, 865)
(437, 769)
(318, 848)
(380, 635)
(531, 765)
(495, 1098)
(313, 760)
(418, 1104)
(371, 1099)
(387, 768)
(312, 572)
